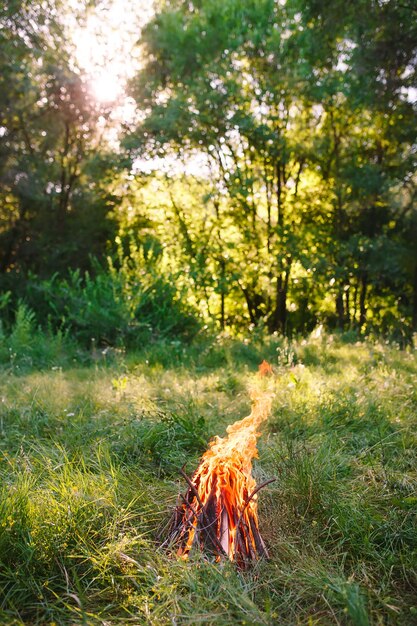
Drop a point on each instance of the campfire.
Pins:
(218, 513)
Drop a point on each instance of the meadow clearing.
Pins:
(89, 464)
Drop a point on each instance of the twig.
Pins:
(254, 492)
(193, 488)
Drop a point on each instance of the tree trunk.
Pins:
(278, 319)
(222, 292)
(355, 303)
(340, 310)
(362, 300)
(281, 308)
(347, 307)
(254, 303)
(414, 314)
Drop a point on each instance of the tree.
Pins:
(54, 207)
(217, 80)
(367, 144)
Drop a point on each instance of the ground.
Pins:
(89, 470)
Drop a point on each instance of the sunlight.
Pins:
(107, 87)
(105, 46)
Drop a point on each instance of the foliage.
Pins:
(111, 308)
(306, 131)
(27, 346)
(53, 161)
(290, 130)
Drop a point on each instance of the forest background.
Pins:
(263, 178)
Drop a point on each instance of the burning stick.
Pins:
(219, 510)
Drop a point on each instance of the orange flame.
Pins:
(220, 508)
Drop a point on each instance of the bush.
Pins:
(28, 345)
(112, 307)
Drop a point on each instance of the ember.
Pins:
(219, 511)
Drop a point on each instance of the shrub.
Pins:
(27, 345)
(113, 307)
(117, 307)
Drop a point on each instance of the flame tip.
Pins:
(265, 368)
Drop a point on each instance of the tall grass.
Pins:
(89, 460)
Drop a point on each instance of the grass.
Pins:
(89, 459)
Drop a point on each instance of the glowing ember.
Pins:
(219, 510)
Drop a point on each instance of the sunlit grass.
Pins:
(89, 468)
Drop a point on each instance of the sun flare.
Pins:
(107, 87)
(105, 46)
